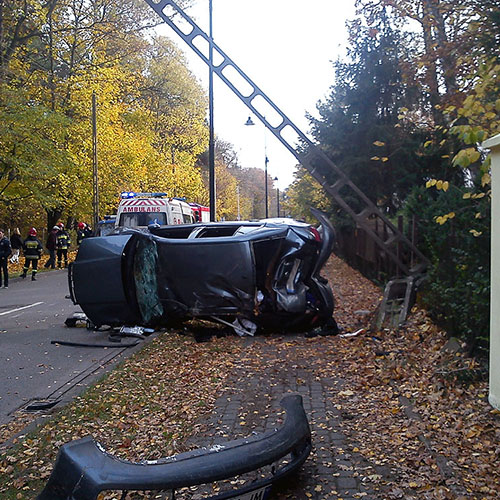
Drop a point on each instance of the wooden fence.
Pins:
(362, 253)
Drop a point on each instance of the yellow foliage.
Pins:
(485, 179)
(444, 218)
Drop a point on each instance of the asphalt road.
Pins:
(32, 314)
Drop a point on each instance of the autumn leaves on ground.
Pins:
(404, 410)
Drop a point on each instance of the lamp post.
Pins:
(211, 144)
(250, 122)
(277, 198)
(95, 176)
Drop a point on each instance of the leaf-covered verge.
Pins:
(411, 103)
(419, 410)
(416, 417)
(145, 409)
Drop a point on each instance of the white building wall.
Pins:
(494, 396)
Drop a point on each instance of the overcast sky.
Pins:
(286, 47)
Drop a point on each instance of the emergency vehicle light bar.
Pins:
(130, 194)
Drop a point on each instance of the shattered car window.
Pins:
(145, 280)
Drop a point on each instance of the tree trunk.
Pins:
(51, 58)
(448, 60)
(430, 60)
(53, 216)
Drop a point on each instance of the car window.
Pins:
(135, 219)
(247, 229)
(146, 286)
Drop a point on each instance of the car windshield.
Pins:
(137, 219)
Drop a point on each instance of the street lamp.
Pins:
(211, 143)
(250, 122)
(277, 198)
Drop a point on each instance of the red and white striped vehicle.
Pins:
(140, 210)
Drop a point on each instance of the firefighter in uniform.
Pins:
(32, 249)
(80, 235)
(63, 242)
(84, 231)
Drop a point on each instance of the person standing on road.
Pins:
(5, 251)
(63, 242)
(51, 246)
(32, 252)
(84, 231)
(16, 242)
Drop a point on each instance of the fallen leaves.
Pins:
(143, 410)
(397, 396)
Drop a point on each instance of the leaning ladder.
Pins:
(313, 159)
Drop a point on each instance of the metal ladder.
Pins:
(314, 160)
(399, 297)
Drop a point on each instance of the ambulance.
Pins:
(140, 210)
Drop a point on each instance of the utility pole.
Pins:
(95, 200)
(250, 123)
(238, 201)
(277, 198)
(266, 161)
(494, 392)
(211, 144)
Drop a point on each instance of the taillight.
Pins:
(316, 234)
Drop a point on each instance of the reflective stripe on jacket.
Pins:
(63, 241)
(32, 248)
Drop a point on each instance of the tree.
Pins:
(436, 66)
(305, 192)
(54, 55)
(176, 103)
(359, 126)
(31, 149)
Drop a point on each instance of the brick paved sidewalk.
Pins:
(251, 404)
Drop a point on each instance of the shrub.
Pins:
(457, 293)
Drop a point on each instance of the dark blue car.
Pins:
(265, 272)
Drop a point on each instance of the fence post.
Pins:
(400, 246)
(494, 397)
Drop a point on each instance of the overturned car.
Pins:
(266, 273)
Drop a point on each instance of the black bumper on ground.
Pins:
(83, 469)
